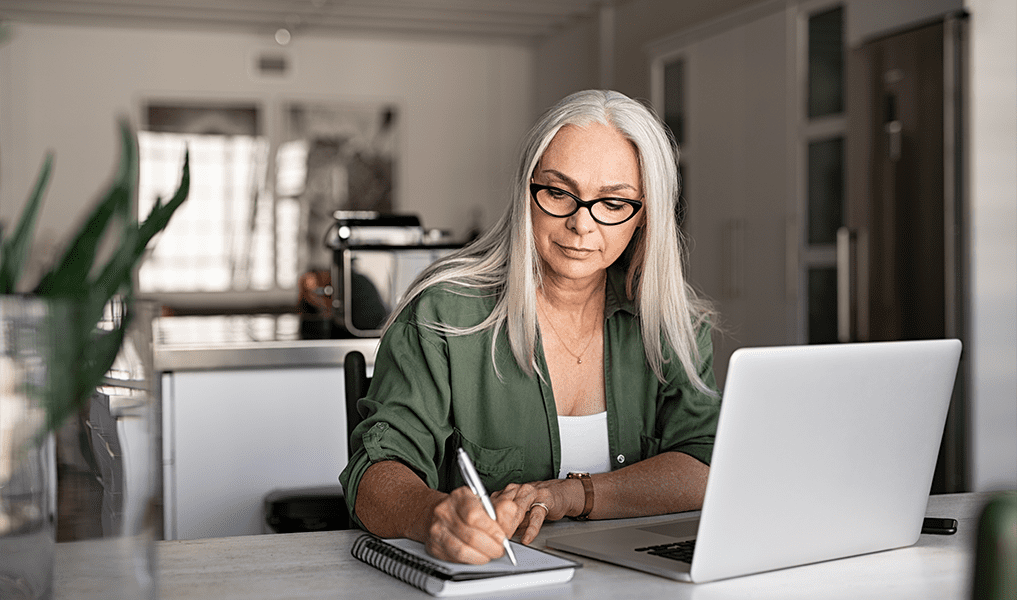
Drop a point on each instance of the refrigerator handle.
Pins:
(844, 309)
(861, 290)
(852, 285)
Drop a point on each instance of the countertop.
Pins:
(246, 342)
(300, 566)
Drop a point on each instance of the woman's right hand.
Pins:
(461, 530)
(392, 501)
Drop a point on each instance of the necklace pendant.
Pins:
(579, 361)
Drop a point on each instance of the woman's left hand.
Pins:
(541, 501)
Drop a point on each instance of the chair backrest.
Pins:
(357, 382)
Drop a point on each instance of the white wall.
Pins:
(566, 63)
(736, 183)
(993, 228)
(463, 106)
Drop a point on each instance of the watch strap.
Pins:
(587, 482)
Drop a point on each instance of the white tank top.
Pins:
(584, 446)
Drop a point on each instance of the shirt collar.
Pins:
(614, 291)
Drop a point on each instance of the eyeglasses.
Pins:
(606, 211)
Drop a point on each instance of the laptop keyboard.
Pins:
(681, 551)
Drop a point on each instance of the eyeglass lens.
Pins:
(558, 203)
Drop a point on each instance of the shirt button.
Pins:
(620, 458)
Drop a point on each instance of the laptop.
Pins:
(822, 452)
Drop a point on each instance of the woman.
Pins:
(563, 350)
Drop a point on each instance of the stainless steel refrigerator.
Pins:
(902, 253)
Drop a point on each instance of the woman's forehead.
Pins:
(591, 151)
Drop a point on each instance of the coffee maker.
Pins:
(375, 258)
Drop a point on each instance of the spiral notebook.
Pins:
(408, 561)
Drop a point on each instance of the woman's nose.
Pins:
(581, 221)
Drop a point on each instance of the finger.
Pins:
(443, 545)
(510, 514)
(475, 527)
(522, 495)
(537, 515)
(522, 527)
(510, 491)
(462, 531)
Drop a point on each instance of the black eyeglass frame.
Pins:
(580, 203)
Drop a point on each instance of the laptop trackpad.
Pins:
(685, 528)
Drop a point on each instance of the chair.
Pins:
(315, 508)
(357, 382)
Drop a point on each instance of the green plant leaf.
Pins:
(103, 348)
(80, 290)
(70, 277)
(85, 376)
(63, 347)
(115, 276)
(160, 215)
(15, 249)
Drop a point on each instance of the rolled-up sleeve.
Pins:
(411, 375)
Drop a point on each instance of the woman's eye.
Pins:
(557, 194)
(614, 204)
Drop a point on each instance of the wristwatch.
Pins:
(587, 482)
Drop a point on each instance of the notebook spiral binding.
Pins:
(401, 565)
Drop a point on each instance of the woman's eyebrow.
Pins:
(560, 176)
(607, 189)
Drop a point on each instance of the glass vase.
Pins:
(27, 466)
(108, 477)
(86, 485)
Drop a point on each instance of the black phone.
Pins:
(939, 526)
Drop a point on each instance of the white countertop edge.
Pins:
(259, 355)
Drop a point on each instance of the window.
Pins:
(826, 63)
(674, 118)
(822, 137)
(825, 189)
(260, 202)
(220, 239)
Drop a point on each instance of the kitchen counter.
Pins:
(203, 343)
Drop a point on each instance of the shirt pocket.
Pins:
(497, 467)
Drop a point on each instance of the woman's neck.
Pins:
(576, 299)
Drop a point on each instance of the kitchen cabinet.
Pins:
(243, 417)
(232, 436)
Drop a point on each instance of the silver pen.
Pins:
(473, 480)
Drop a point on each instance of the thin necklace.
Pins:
(578, 357)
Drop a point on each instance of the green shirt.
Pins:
(432, 392)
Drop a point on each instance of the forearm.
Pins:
(392, 501)
(667, 483)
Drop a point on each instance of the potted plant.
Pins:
(56, 347)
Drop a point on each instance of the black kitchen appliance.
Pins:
(375, 259)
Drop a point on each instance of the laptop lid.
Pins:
(821, 452)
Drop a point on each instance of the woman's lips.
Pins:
(574, 252)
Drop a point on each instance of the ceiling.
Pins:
(522, 19)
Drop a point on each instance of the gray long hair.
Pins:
(504, 260)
